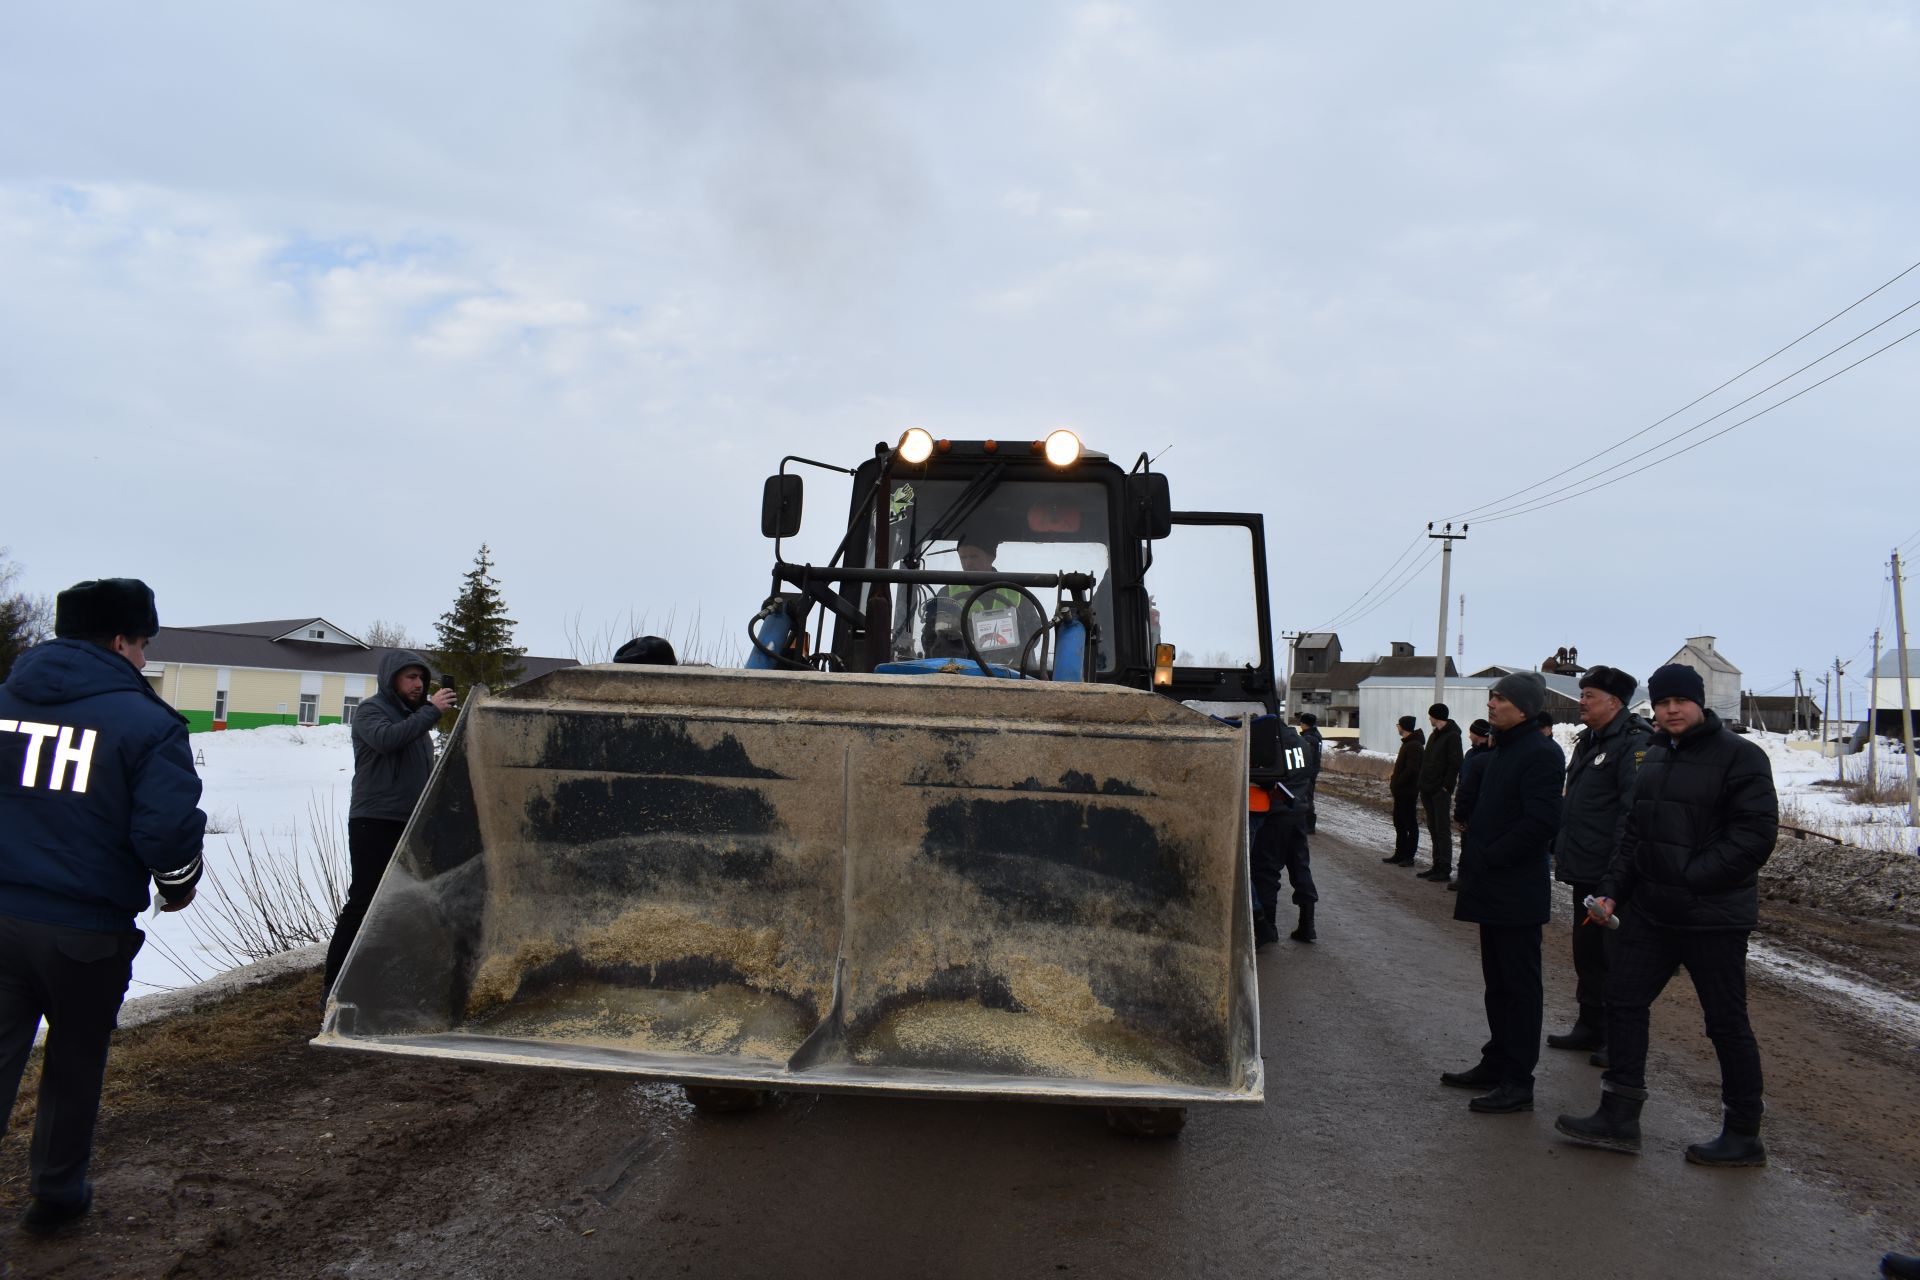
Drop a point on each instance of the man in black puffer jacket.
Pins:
(1705, 819)
(1506, 888)
(1593, 822)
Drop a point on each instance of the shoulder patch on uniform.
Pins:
(1601, 758)
(1640, 756)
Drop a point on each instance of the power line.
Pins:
(1696, 400)
(1529, 510)
(1361, 598)
(1679, 435)
(1406, 580)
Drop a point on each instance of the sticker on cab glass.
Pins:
(995, 629)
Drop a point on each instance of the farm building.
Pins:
(244, 675)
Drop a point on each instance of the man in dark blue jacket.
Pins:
(97, 795)
(1506, 889)
(392, 760)
(1704, 821)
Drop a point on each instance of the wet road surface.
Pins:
(1359, 1164)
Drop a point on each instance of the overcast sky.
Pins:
(300, 304)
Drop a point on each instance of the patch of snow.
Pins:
(1898, 1013)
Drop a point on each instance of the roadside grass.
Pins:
(148, 1065)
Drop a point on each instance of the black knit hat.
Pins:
(647, 651)
(1481, 727)
(1526, 690)
(1610, 680)
(1438, 711)
(1544, 721)
(106, 607)
(1307, 718)
(1676, 680)
(1407, 723)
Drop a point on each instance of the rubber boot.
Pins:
(1737, 1147)
(1615, 1126)
(1303, 932)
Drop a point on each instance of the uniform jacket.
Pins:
(1593, 819)
(97, 791)
(1469, 788)
(1505, 873)
(392, 746)
(1311, 737)
(1406, 765)
(1440, 766)
(1705, 818)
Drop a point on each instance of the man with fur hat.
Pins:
(97, 797)
(392, 760)
(1439, 774)
(1404, 786)
(1593, 821)
(1704, 821)
(1506, 889)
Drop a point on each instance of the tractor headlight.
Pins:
(1063, 448)
(915, 447)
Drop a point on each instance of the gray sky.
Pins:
(299, 305)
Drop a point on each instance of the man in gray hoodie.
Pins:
(392, 759)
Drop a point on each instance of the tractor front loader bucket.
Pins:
(922, 885)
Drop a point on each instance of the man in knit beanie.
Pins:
(1439, 774)
(1404, 786)
(1506, 889)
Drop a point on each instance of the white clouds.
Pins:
(616, 262)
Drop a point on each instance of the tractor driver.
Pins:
(942, 636)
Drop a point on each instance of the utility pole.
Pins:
(1293, 647)
(1447, 538)
(1840, 704)
(1826, 713)
(1796, 699)
(1906, 692)
(1873, 715)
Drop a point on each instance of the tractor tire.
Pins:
(1147, 1122)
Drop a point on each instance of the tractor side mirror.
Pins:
(1266, 742)
(1151, 505)
(780, 507)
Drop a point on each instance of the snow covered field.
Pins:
(287, 789)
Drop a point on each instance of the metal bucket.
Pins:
(921, 885)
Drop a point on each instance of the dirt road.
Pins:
(235, 1150)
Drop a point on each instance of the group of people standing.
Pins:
(1660, 832)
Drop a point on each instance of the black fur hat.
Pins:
(647, 651)
(106, 607)
(1610, 680)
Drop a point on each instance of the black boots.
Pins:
(51, 1217)
(1583, 1035)
(1737, 1147)
(1265, 931)
(1303, 932)
(1479, 1076)
(1437, 874)
(1615, 1126)
(1504, 1099)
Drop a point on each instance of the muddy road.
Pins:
(234, 1150)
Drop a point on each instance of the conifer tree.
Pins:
(475, 638)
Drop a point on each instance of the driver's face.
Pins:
(975, 559)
